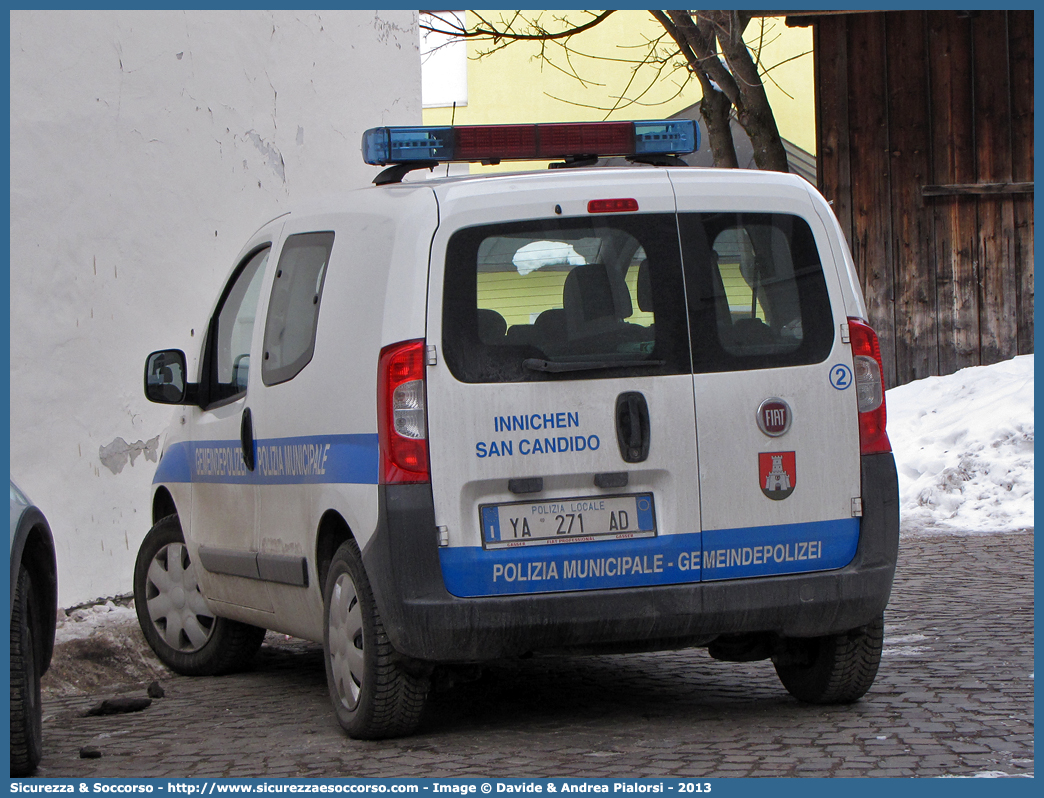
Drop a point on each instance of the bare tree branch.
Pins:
(715, 105)
(730, 72)
(707, 60)
(755, 113)
(490, 32)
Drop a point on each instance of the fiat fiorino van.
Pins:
(463, 419)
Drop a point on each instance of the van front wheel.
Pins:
(834, 669)
(375, 693)
(173, 615)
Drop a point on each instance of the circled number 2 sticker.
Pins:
(840, 376)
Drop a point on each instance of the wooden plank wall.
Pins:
(913, 98)
(955, 221)
(1020, 31)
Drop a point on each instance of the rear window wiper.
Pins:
(556, 367)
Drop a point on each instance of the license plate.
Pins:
(576, 520)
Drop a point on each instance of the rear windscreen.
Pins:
(756, 293)
(569, 298)
(596, 297)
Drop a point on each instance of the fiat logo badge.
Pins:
(774, 417)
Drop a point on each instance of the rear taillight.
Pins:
(870, 391)
(402, 424)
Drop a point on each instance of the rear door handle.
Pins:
(632, 426)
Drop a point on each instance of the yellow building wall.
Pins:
(597, 78)
(521, 298)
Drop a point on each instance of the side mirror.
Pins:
(165, 378)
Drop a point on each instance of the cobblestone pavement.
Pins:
(954, 696)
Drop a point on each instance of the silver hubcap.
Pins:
(346, 641)
(175, 604)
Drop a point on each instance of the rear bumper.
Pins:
(424, 621)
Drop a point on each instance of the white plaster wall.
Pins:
(145, 148)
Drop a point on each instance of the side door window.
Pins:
(293, 313)
(226, 360)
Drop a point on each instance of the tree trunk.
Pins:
(715, 107)
(755, 113)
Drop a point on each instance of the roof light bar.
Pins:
(402, 145)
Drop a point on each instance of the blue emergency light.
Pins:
(493, 143)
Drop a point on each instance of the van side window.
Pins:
(293, 313)
(756, 292)
(227, 354)
(565, 299)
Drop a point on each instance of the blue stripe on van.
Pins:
(666, 560)
(785, 549)
(280, 461)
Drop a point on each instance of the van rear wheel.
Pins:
(375, 693)
(173, 615)
(835, 669)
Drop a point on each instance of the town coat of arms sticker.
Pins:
(777, 474)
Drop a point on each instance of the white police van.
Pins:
(455, 420)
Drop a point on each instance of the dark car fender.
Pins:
(33, 546)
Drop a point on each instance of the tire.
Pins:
(375, 692)
(836, 669)
(173, 615)
(26, 709)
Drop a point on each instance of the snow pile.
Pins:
(100, 648)
(964, 449)
(87, 622)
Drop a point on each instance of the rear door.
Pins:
(560, 402)
(776, 420)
